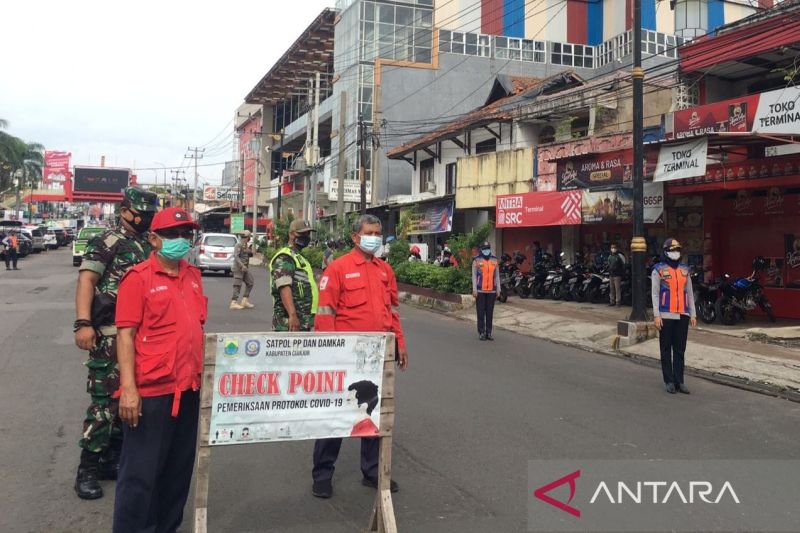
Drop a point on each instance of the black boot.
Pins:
(87, 487)
(108, 466)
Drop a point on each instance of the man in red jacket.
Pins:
(161, 311)
(357, 292)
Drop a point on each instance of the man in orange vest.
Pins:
(485, 288)
(11, 244)
(673, 309)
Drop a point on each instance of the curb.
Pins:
(767, 389)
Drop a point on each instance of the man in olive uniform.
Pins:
(241, 272)
(294, 289)
(108, 257)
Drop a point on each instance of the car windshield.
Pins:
(36, 232)
(221, 240)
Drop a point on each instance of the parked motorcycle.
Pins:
(705, 297)
(537, 278)
(740, 295)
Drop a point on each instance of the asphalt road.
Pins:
(470, 415)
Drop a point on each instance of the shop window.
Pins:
(450, 172)
(487, 146)
(426, 181)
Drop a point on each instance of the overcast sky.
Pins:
(139, 81)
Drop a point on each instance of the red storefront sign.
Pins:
(735, 115)
(607, 169)
(749, 169)
(539, 209)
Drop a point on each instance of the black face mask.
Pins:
(144, 222)
(301, 241)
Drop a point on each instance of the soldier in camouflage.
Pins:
(241, 273)
(294, 289)
(108, 257)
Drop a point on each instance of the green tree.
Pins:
(16, 154)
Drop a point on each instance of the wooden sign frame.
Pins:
(382, 520)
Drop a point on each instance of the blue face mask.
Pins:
(370, 244)
(486, 252)
(174, 249)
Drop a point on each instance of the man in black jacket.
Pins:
(616, 268)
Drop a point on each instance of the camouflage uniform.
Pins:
(241, 260)
(109, 254)
(284, 272)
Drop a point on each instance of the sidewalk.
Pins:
(751, 355)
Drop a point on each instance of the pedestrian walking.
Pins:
(294, 289)
(358, 292)
(616, 268)
(108, 256)
(161, 314)
(674, 311)
(242, 253)
(11, 249)
(485, 288)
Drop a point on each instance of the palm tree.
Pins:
(16, 154)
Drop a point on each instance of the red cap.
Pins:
(172, 217)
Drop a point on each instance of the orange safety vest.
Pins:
(672, 291)
(485, 273)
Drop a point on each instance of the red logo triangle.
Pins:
(541, 493)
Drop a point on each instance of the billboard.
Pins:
(432, 218)
(607, 169)
(103, 180)
(56, 167)
(533, 209)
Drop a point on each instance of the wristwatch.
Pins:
(81, 323)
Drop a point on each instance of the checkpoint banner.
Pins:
(269, 388)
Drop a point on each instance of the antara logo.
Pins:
(639, 492)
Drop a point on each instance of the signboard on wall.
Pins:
(271, 388)
(653, 203)
(607, 207)
(597, 170)
(431, 218)
(352, 190)
(681, 161)
(532, 209)
(99, 179)
(773, 112)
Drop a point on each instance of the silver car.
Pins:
(213, 251)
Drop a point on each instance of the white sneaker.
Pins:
(246, 304)
(235, 305)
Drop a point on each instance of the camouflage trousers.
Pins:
(240, 277)
(102, 424)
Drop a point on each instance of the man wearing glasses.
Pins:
(108, 257)
(161, 315)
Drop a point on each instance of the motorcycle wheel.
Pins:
(503, 297)
(706, 311)
(567, 295)
(522, 293)
(592, 295)
(767, 308)
(555, 292)
(726, 312)
(579, 295)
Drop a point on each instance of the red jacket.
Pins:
(169, 313)
(359, 295)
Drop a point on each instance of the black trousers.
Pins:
(155, 469)
(326, 451)
(485, 307)
(672, 340)
(11, 258)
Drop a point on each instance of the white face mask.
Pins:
(674, 255)
(370, 243)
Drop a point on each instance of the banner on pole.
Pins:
(276, 387)
(680, 161)
(237, 223)
(56, 167)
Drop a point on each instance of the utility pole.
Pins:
(341, 164)
(307, 154)
(198, 154)
(280, 175)
(362, 163)
(175, 180)
(241, 183)
(315, 152)
(638, 243)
